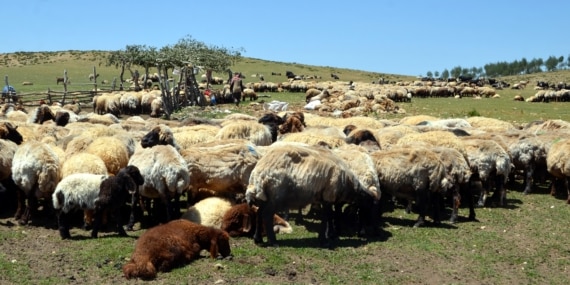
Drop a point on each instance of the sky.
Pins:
(405, 37)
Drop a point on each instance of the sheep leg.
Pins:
(567, 190)
(421, 204)
(131, 223)
(529, 178)
(21, 204)
(483, 196)
(456, 203)
(97, 217)
(501, 190)
(257, 235)
(326, 234)
(63, 225)
(119, 222)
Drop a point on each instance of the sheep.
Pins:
(41, 114)
(249, 93)
(166, 176)
(113, 194)
(220, 170)
(312, 136)
(412, 173)
(488, 161)
(10, 132)
(112, 151)
(291, 176)
(35, 170)
(293, 124)
(257, 133)
(8, 148)
(166, 246)
(235, 219)
(557, 166)
(156, 107)
(92, 76)
(159, 135)
(188, 136)
(74, 106)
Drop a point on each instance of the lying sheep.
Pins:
(173, 244)
(235, 219)
(294, 176)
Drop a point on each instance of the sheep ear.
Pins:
(246, 223)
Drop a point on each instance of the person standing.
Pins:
(236, 87)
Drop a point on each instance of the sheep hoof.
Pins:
(453, 220)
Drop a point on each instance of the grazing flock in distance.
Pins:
(241, 175)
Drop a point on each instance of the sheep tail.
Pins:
(144, 270)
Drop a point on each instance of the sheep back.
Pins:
(36, 165)
(77, 191)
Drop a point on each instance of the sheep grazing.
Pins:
(557, 166)
(412, 173)
(174, 244)
(35, 170)
(166, 177)
(292, 176)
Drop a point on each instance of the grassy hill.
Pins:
(42, 68)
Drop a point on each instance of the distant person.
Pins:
(236, 87)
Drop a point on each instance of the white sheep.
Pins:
(165, 175)
(257, 133)
(35, 170)
(292, 176)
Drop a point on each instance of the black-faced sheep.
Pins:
(35, 170)
(159, 135)
(174, 244)
(292, 176)
(10, 132)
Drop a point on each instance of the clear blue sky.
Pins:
(400, 37)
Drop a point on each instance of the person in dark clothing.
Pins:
(236, 87)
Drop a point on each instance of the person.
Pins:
(236, 87)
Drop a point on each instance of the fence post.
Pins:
(95, 81)
(65, 79)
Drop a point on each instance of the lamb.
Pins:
(291, 176)
(412, 173)
(235, 219)
(114, 193)
(166, 176)
(35, 170)
(173, 244)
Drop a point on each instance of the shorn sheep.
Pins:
(35, 170)
(174, 244)
(87, 191)
(292, 176)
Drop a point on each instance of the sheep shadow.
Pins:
(404, 222)
(313, 242)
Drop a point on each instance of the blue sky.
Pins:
(398, 37)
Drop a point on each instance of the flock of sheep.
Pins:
(241, 173)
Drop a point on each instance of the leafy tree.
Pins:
(551, 63)
(429, 74)
(456, 71)
(436, 74)
(445, 74)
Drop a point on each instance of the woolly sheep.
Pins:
(220, 170)
(412, 173)
(169, 245)
(112, 151)
(293, 176)
(35, 170)
(557, 165)
(257, 133)
(165, 174)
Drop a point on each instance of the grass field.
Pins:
(525, 242)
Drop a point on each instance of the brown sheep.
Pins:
(293, 124)
(173, 244)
